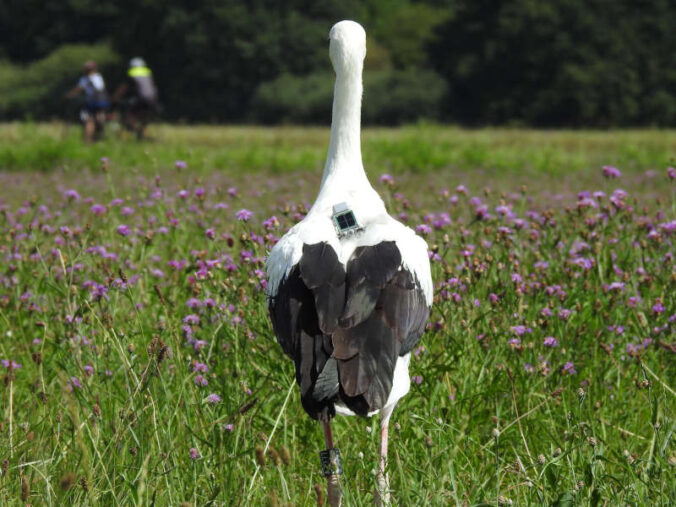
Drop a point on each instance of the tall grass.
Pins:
(124, 317)
(420, 149)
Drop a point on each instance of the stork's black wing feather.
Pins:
(370, 268)
(296, 324)
(324, 275)
(345, 329)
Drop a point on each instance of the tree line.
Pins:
(569, 63)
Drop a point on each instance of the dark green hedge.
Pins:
(543, 63)
(390, 97)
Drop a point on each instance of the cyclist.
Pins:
(96, 103)
(139, 92)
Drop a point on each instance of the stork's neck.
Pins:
(344, 172)
(344, 147)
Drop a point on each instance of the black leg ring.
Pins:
(331, 463)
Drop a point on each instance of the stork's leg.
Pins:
(382, 493)
(331, 467)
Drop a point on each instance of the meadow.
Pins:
(139, 366)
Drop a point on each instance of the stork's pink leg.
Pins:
(382, 494)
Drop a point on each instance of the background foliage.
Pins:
(566, 63)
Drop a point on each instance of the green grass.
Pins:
(419, 149)
(491, 420)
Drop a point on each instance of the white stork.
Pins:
(349, 287)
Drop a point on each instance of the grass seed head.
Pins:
(274, 456)
(25, 488)
(260, 456)
(67, 481)
(285, 455)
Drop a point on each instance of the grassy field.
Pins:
(139, 365)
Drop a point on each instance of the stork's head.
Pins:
(347, 47)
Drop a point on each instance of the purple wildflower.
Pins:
(200, 367)
(423, 229)
(387, 179)
(71, 195)
(98, 209)
(616, 286)
(564, 313)
(11, 364)
(180, 164)
(194, 454)
(611, 172)
(123, 230)
(550, 341)
(191, 319)
(658, 307)
(213, 398)
(520, 330)
(193, 303)
(569, 368)
(244, 215)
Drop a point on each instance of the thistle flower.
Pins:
(611, 172)
(423, 229)
(10, 364)
(569, 368)
(98, 209)
(386, 179)
(191, 319)
(550, 341)
(200, 367)
(71, 195)
(658, 307)
(244, 215)
(213, 399)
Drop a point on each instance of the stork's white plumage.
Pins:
(349, 287)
